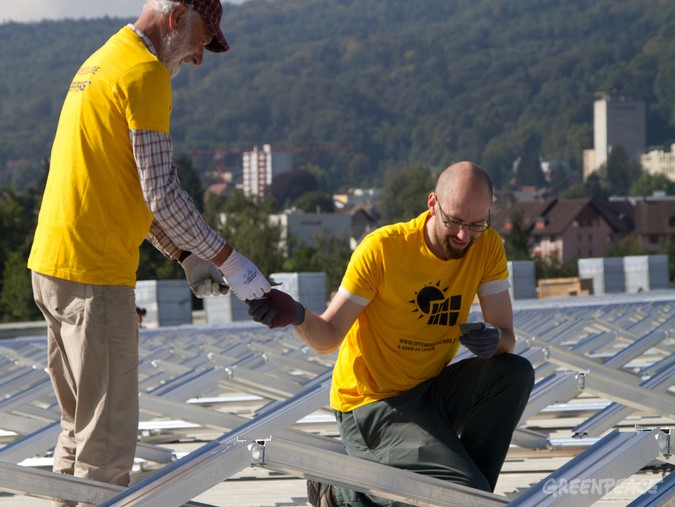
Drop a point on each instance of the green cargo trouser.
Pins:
(456, 427)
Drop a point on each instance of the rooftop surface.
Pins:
(236, 415)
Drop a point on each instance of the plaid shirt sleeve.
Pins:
(177, 224)
(158, 238)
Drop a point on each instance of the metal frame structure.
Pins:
(254, 397)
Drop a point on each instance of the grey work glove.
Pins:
(482, 340)
(276, 309)
(203, 277)
(244, 277)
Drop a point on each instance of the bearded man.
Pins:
(397, 319)
(111, 185)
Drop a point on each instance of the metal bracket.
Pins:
(547, 352)
(257, 450)
(581, 380)
(662, 437)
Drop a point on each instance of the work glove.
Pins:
(203, 277)
(276, 309)
(482, 340)
(244, 277)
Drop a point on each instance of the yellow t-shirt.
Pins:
(409, 330)
(93, 217)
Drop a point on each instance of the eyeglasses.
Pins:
(455, 225)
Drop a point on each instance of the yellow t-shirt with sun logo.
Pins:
(408, 332)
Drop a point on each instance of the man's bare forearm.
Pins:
(319, 334)
(507, 342)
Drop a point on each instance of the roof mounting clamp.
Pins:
(581, 380)
(662, 437)
(257, 450)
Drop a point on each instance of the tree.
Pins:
(561, 178)
(246, 226)
(553, 268)
(529, 170)
(592, 187)
(577, 191)
(190, 180)
(312, 202)
(404, 193)
(648, 183)
(619, 173)
(287, 187)
(153, 265)
(595, 187)
(517, 243)
(17, 222)
(669, 250)
(330, 256)
(630, 245)
(16, 297)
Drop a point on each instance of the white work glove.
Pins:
(244, 277)
(203, 277)
(482, 341)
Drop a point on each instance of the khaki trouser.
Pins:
(93, 365)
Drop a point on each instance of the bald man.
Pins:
(396, 319)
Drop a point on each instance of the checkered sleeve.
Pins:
(177, 223)
(159, 239)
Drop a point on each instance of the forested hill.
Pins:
(384, 82)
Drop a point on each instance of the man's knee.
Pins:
(521, 366)
(514, 373)
(516, 367)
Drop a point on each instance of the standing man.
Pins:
(111, 184)
(407, 288)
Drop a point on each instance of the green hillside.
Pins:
(385, 82)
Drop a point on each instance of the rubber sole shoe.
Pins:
(320, 495)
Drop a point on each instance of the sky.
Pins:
(38, 10)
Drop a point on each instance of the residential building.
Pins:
(260, 166)
(660, 162)
(654, 219)
(361, 205)
(356, 196)
(364, 219)
(563, 229)
(300, 228)
(529, 212)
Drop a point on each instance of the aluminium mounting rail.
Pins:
(366, 476)
(661, 494)
(212, 463)
(615, 412)
(596, 471)
(617, 385)
(58, 487)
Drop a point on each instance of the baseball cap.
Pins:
(211, 11)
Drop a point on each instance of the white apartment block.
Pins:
(260, 166)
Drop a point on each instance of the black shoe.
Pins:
(320, 495)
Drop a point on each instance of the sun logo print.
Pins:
(433, 304)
